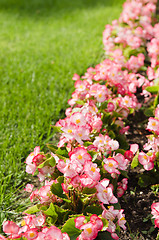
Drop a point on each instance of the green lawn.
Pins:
(42, 44)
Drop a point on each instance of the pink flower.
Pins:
(79, 221)
(129, 155)
(2, 237)
(157, 112)
(153, 125)
(87, 181)
(155, 213)
(150, 73)
(12, 229)
(146, 161)
(122, 162)
(80, 154)
(104, 193)
(155, 209)
(32, 155)
(76, 77)
(92, 171)
(90, 231)
(110, 107)
(29, 187)
(78, 119)
(31, 233)
(121, 219)
(97, 221)
(111, 165)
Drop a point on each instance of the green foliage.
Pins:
(33, 209)
(135, 160)
(153, 89)
(148, 178)
(89, 191)
(149, 112)
(70, 229)
(52, 213)
(48, 162)
(57, 190)
(93, 209)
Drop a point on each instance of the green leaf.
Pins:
(144, 180)
(93, 209)
(122, 141)
(111, 134)
(157, 155)
(152, 229)
(61, 213)
(106, 117)
(153, 89)
(70, 229)
(57, 190)
(56, 150)
(104, 105)
(156, 101)
(87, 143)
(62, 151)
(117, 206)
(32, 209)
(105, 223)
(80, 102)
(120, 151)
(93, 155)
(135, 160)
(149, 112)
(50, 161)
(52, 213)
(57, 128)
(124, 173)
(52, 147)
(131, 110)
(89, 191)
(116, 114)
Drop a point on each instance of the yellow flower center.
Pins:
(122, 218)
(78, 121)
(79, 157)
(153, 123)
(105, 190)
(145, 157)
(110, 164)
(100, 95)
(93, 169)
(69, 131)
(80, 134)
(31, 234)
(23, 223)
(89, 230)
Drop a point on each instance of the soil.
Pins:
(137, 201)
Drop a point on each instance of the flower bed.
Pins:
(85, 175)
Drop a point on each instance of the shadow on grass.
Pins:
(44, 8)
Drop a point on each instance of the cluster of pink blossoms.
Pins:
(152, 146)
(83, 177)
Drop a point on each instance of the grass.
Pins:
(43, 43)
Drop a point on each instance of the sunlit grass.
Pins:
(43, 43)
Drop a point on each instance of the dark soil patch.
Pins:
(137, 201)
